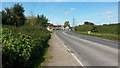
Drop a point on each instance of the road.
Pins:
(106, 42)
(60, 55)
(91, 52)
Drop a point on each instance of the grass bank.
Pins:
(113, 37)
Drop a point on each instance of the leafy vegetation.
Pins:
(16, 51)
(13, 16)
(66, 23)
(40, 20)
(24, 40)
(23, 46)
(109, 31)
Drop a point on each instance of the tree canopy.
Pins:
(14, 15)
(88, 23)
(0, 17)
(66, 23)
(42, 20)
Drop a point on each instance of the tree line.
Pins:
(105, 28)
(15, 16)
(24, 38)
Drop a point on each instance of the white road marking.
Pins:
(114, 50)
(77, 59)
(72, 54)
(96, 44)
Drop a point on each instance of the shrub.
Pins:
(24, 46)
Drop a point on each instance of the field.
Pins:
(110, 31)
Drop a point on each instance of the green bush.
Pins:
(24, 46)
(107, 29)
(15, 51)
(84, 28)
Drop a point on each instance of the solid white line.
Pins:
(77, 59)
(73, 55)
(87, 40)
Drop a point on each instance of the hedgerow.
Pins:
(23, 46)
(108, 31)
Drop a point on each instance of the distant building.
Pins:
(67, 28)
(57, 27)
(50, 28)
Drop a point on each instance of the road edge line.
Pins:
(87, 40)
(71, 53)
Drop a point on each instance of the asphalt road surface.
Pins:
(91, 51)
(105, 42)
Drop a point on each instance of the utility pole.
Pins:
(73, 24)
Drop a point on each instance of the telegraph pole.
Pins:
(73, 24)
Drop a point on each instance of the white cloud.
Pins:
(72, 9)
(109, 14)
(69, 11)
(66, 13)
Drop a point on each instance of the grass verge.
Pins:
(100, 35)
(47, 58)
(47, 55)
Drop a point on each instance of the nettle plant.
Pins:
(16, 50)
(24, 46)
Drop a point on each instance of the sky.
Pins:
(59, 12)
(59, 0)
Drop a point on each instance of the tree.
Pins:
(42, 20)
(13, 16)
(87, 26)
(88, 23)
(0, 18)
(6, 17)
(66, 23)
(31, 20)
(18, 14)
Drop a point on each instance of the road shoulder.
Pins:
(61, 56)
